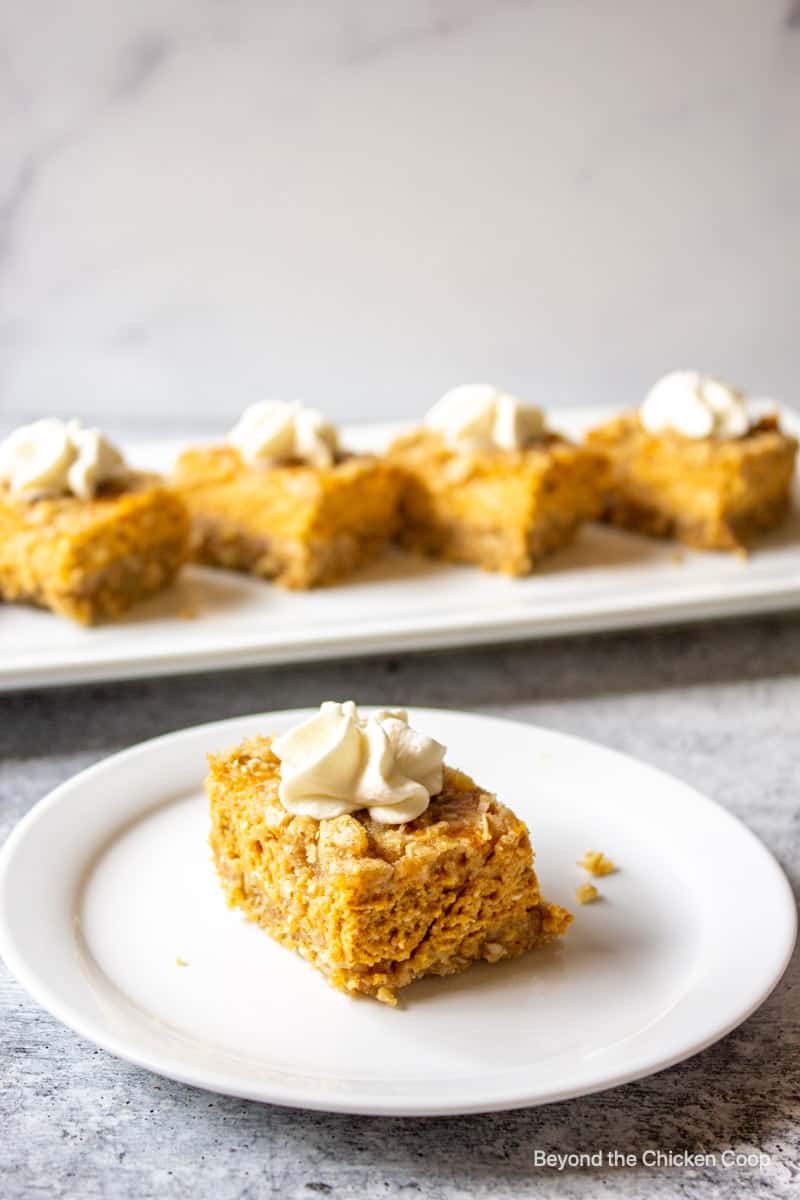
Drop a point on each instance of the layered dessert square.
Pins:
(486, 483)
(711, 478)
(375, 905)
(90, 546)
(300, 512)
(299, 525)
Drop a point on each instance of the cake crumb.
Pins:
(386, 996)
(181, 962)
(678, 556)
(188, 612)
(586, 893)
(596, 863)
(741, 553)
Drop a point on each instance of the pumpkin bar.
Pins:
(374, 906)
(503, 510)
(90, 559)
(713, 493)
(299, 524)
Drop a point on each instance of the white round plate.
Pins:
(107, 888)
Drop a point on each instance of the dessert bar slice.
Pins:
(91, 559)
(375, 906)
(503, 510)
(297, 523)
(714, 493)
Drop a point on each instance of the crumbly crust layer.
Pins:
(714, 494)
(503, 510)
(92, 559)
(375, 907)
(299, 525)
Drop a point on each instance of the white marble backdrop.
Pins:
(362, 202)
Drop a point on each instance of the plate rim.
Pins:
(290, 1096)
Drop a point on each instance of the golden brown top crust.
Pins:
(224, 464)
(292, 501)
(70, 514)
(626, 432)
(461, 812)
(426, 450)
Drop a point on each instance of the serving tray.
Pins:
(215, 619)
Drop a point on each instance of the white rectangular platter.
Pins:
(216, 619)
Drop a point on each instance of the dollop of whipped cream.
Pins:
(279, 431)
(698, 406)
(59, 458)
(338, 762)
(477, 416)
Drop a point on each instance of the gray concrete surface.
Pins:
(718, 706)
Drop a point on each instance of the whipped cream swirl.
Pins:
(338, 762)
(698, 406)
(59, 458)
(273, 432)
(477, 416)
